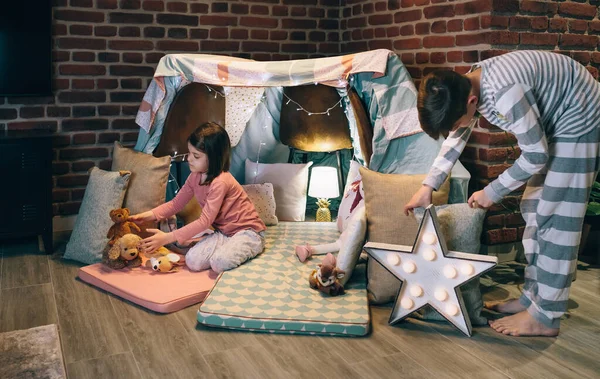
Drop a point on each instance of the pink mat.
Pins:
(160, 292)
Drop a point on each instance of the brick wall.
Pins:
(105, 53)
(441, 34)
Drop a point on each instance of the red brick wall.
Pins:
(441, 34)
(105, 53)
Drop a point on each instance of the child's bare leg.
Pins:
(511, 306)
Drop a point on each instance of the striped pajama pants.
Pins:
(553, 206)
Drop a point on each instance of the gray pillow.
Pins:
(461, 227)
(105, 191)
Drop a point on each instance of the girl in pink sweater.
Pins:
(239, 231)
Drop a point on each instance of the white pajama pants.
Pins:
(221, 253)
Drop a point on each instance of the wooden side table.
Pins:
(26, 175)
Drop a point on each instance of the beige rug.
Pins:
(31, 353)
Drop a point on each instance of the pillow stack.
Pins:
(137, 181)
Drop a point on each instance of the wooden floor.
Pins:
(103, 336)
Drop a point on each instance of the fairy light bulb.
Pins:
(467, 269)
(450, 272)
(393, 259)
(440, 294)
(416, 291)
(429, 255)
(407, 303)
(409, 267)
(451, 309)
(429, 238)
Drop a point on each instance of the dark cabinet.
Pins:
(26, 185)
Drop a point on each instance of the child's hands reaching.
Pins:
(421, 198)
(160, 238)
(142, 217)
(480, 199)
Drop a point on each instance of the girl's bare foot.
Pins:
(508, 306)
(522, 324)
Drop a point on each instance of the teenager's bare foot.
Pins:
(509, 306)
(522, 324)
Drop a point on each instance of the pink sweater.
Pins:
(225, 206)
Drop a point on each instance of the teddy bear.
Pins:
(124, 252)
(121, 226)
(326, 277)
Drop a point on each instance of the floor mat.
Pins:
(271, 292)
(160, 292)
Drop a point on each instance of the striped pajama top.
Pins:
(534, 95)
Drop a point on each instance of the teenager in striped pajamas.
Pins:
(552, 105)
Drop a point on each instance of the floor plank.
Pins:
(302, 356)
(27, 307)
(106, 337)
(431, 350)
(251, 362)
(118, 366)
(161, 345)
(24, 269)
(212, 340)
(89, 326)
(393, 366)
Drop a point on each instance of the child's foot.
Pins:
(508, 306)
(304, 252)
(522, 324)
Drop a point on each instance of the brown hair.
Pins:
(442, 100)
(212, 139)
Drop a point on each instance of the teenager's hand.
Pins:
(421, 198)
(142, 217)
(480, 200)
(152, 243)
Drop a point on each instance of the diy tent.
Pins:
(254, 94)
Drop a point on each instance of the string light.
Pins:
(174, 158)
(310, 113)
(210, 89)
(300, 107)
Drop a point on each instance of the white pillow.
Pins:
(351, 243)
(354, 196)
(261, 195)
(290, 184)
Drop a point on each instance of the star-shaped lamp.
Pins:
(430, 274)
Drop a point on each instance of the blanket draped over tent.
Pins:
(253, 93)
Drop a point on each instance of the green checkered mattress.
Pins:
(271, 292)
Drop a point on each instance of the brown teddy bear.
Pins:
(326, 278)
(121, 226)
(124, 252)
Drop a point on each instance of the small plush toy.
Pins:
(123, 253)
(165, 263)
(121, 226)
(326, 277)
